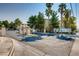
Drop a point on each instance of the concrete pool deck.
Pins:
(75, 49)
(47, 47)
(53, 47)
(20, 49)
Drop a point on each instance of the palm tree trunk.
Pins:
(61, 20)
(44, 27)
(44, 30)
(61, 24)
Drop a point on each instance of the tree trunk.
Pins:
(44, 30)
(61, 24)
(45, 27)
(61, 20)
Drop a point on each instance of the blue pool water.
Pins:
(44, 34)
(31, 38)
(38, 37)
(65, 38)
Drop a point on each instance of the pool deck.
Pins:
(46, 47)
(49, 46)
(75, 49)
(52, 46)
(20, 49)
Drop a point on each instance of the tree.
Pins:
(48, 14)
(62, 8)
(69, 21)
(0, 24)
(12, 26)
(17, 23)
(32, 21)
(67, 15)
(48, 10)
(5, 23)
(37, 22)
(40, 22)
(72, 23)
(54, 21)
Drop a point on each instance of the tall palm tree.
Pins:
(36, 22)
(40, 22)
(48, 14)
(54, 22)
(48, 10)
(72, 23)
(67, 15)
(62, 8)
(17, 23)
(32, 21)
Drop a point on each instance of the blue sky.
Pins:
(23, 11)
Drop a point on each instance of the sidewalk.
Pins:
(52, 46)
(5, 46)
(20, 49)
(75, 49)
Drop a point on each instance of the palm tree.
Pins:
(32, 21)
(67, 15)
(37, 22)
(0, 24)
(48, 10)
(62, 8)
(17, 23)
(54, 21)
(48, 14)
(40, 21)
(5, 23)
(72, 23)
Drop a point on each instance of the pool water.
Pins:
(32, 37)
(37, 36)
(44, 34)
(67, 38)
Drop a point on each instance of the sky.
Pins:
(10, 11)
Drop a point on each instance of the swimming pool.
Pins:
(44, 34)
(37, 36)
(31, 37)
(65, 37)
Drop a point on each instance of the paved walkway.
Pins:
(19, 49)
(25, 50)
(46, 47)
(14, 35)
(75, 49)
(5, 46)
(52, 46)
